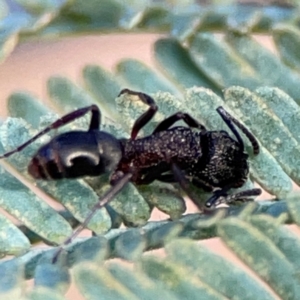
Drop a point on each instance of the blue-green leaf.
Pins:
(287, 41)
(93, 281)
(178, 280)
(262, 255)
(138, 76)
(267, 127)
(228, 69)
(268, 68)
(216, 271)
(176, 63)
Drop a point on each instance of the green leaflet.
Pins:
(103, 87)
(12, 280)
(286, 109)
(39, 293)
(275, 209)
(165, 198)
(66, 95)
(139, 284)
(78, 198)
(155, 16)
(285, 239)
(93, 281)
(215, 271)
(94, 248)
(160, 236)
(269, 69)
(87, 16)
(225, 71)
(137, 75)
(258, 251)
(287, 41)
(130, 245)
(132, 206)
(17, 199)
(178, 280)
(245, 20)
(267, 127)
(21, 105)
(33, 212)
(52, 276)
(293, 204)
(176, 63)
(12, 241)
(129, 203)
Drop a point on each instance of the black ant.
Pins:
(210, 160)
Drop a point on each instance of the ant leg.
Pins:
(168, 178)
(184, 184)
(145, 117)
(221, 197)
(95, 122)
(203, 185)
(188, 119)
(229, 119)
(149, 178)
(108, 196)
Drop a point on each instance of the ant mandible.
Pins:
(210, 160)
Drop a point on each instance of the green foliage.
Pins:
(182, 19)
(197, 71)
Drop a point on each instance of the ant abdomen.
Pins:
(76, 154)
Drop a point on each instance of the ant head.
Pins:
(76, 154)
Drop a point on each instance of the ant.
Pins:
(210, 160)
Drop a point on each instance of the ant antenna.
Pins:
(227, 118)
